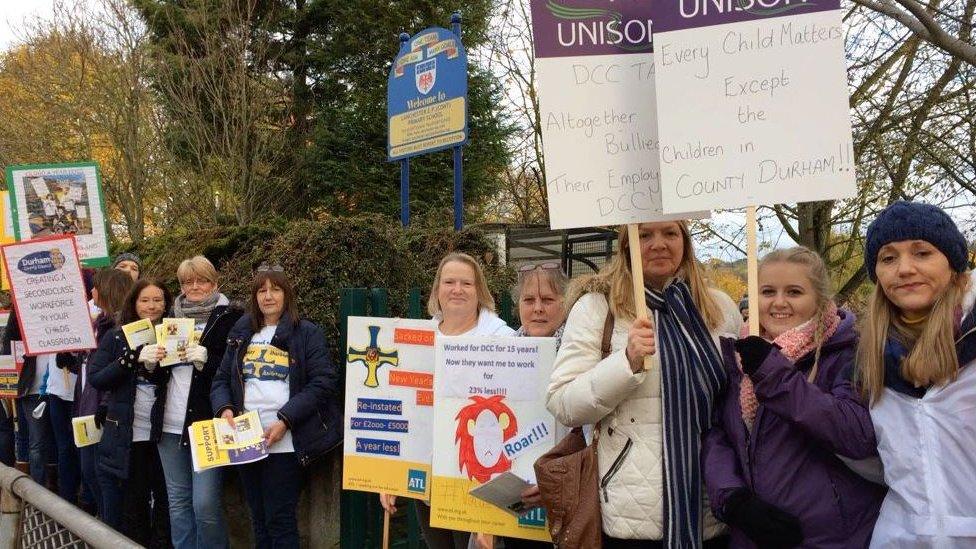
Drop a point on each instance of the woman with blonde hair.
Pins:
(649, 422)
(195, 508)
(770, 460)
(461, 304)
(916, 366)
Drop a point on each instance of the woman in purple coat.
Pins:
(771, 460)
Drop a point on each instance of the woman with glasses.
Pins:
(539, 294)
(184, 389)
(278, 365)
(651, 398)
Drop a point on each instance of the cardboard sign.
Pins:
(389, 406)
(594, 65)
(752, 103)
(490, 419)
(49, 295)
(40, 198)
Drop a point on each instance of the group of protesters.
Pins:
(822, 430)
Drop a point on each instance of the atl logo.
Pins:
(416, 481)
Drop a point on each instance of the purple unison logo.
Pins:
(767, 8)
(592, 27)
(42, 262)
(426, 75)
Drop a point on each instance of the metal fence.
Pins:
(578, 251)
(35, 518)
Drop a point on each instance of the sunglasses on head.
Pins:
(270, 267)
(529, 267)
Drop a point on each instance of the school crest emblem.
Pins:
(426, 75)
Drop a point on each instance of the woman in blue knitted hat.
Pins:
(916, 366)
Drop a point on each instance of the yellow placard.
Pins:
(453, 508)
(385, 476)
(85, 431)
(203, 446)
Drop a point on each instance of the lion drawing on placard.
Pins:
(482, 427)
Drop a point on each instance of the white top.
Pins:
(39, 384)
(178, 394)
(488, 324)
(142, 409)
(266, 391)
(928, 448)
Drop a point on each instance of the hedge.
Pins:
(322, 257)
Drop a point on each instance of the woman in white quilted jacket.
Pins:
(649, 421)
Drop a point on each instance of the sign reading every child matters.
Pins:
(52, 199)
(752, 103)
(389, 400)
(595, 69)
(490, 419)
(49, 295)
(427, 95)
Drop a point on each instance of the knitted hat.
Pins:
(915, 221)
(126, 256)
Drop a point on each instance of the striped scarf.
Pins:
(691, 378)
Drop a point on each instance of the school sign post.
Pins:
(427, 105)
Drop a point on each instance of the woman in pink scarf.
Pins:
(770, 461)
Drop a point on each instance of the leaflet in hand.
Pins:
(175, 334)
(206, 454)
(504, 492)
(246, 432)
(85, 431)
(140, 332)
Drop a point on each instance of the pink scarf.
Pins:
(794, 344)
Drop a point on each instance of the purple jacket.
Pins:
(88, 398)
(788, 460)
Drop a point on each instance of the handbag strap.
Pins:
(604, 353)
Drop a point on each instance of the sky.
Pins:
(13, 14)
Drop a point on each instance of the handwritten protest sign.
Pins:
(752, 103)
(595, 78)
(49, 295)
(53, 199)
(490, 419)
(389, 400)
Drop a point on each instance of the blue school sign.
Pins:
(427, 104)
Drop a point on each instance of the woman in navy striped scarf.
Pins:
(649, 421)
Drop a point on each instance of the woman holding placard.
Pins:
(917, 367)
(649, 421)
(770, 460)
(461, 303)
(278, 365)
(195, 508)
(129, 470)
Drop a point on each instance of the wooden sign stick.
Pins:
(752, 267)
(637, 276)
(386, 529)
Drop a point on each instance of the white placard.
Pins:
(490, 419)
(752, 105)
(49, 295)
(598, 115)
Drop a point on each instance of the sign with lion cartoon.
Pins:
(490, 420)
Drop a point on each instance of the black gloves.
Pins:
(65, 360)
(753, 350)
(766, 525)
(100, 415)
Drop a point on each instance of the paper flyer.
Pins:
(491, 419)
(205, 454)
(175, 334)
(246, 431)
(85, 431)
(389, 406)
(140, 332)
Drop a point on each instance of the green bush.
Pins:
(322, 257)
